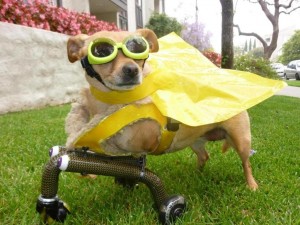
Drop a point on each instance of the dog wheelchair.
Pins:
(127, 171)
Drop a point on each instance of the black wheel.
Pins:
(171, 209)
(52, 210)
(297, 76)
(285, 76)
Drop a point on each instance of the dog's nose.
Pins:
(130, 70)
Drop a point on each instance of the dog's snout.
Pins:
(130, 70)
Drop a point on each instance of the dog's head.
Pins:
(113, 59)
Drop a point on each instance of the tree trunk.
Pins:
(277, 8)
(227, 34)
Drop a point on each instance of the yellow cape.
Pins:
(186, 86)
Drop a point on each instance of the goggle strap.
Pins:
(144, 62)
(89, 69)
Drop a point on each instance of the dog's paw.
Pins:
(202, 158)
(253, 186)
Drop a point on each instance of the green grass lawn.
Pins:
(295, 83)
(218, 195)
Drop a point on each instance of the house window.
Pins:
(139, 13)
(57, 3)
(123, 20)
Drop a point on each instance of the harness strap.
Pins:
(116, 121)
(89, 69)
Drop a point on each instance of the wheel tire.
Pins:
(54, 211)
(297, 76)
(171, 209)
(62, 211)
(285, 77)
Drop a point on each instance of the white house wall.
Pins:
(148, 9)
(131, 15)
(77, 5)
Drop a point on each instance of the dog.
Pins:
(114, 69)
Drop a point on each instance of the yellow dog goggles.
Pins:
(104, 50)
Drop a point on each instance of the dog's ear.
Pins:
(151, 37)
(76, 47)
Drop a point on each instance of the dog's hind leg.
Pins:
(243, 149)
(239, 137)
(199, 149)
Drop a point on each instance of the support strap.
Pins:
(113, 123)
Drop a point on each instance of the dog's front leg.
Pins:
(76, 120)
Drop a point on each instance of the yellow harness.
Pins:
(113, 123)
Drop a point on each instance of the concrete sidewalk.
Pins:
(290, 91)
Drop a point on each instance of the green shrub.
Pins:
(257, 65)
(256, 52)
(162, 24)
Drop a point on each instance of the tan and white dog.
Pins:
(144, 135)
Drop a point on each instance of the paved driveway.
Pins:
(290, 91)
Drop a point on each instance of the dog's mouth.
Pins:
(123, 86)
(129, 86)
(124, 81)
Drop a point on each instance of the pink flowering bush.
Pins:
(213, 57)
(39, 14)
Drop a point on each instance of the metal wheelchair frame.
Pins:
(127, 170)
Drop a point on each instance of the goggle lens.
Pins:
(102, 49)
(136, 45)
